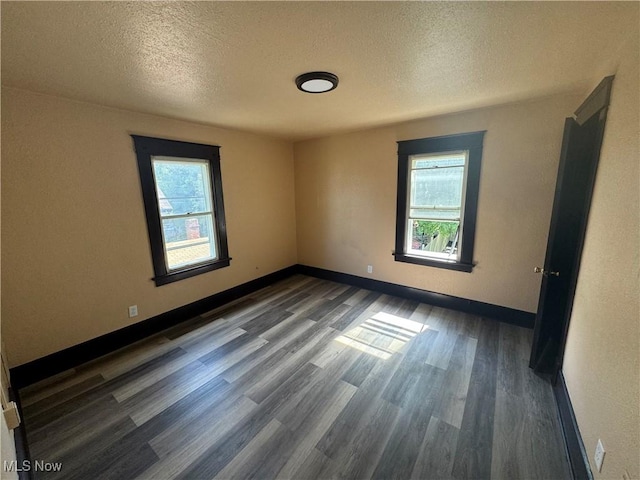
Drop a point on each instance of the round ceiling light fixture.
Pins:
(317, 82)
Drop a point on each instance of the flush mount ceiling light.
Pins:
(317, 82)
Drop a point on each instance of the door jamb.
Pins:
(596, 103)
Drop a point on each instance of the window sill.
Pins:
(191, 272)
(432, 262)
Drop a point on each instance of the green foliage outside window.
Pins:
(428, 229)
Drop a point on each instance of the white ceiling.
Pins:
(234, 64)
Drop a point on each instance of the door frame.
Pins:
(596, 103)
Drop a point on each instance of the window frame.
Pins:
(148, 147)
(471, 142)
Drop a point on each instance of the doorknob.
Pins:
(545, 273)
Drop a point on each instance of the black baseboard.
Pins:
(496, 312)
(576, 452)
(58, 362)
(23, 456)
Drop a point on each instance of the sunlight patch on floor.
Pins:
(382, 334)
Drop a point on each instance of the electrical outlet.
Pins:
(133, 311)
(369, 268)
(599, 455)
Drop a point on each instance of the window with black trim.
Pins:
(438, 183)
(182, 193)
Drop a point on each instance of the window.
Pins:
(438, 181)
(182, 192)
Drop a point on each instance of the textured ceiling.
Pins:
(234, 64)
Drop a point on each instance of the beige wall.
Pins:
(7, 439)
(602, 358)
(75, 250)
(346, 201)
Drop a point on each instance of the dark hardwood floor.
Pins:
(305, 379)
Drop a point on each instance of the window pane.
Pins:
(437, 187)
(438, 239)
(188, 240)
(183, 186)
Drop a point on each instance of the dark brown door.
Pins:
(574, 186)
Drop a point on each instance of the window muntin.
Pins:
(183, 188)
(182, 192)
(436, 186)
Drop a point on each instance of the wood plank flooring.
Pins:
(305, 379)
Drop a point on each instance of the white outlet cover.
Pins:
(599, 455)
(369, 268)
(133, 311)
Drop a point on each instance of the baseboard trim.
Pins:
(45, 367)
(496, 312)
(578, 459)
(58, 362)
